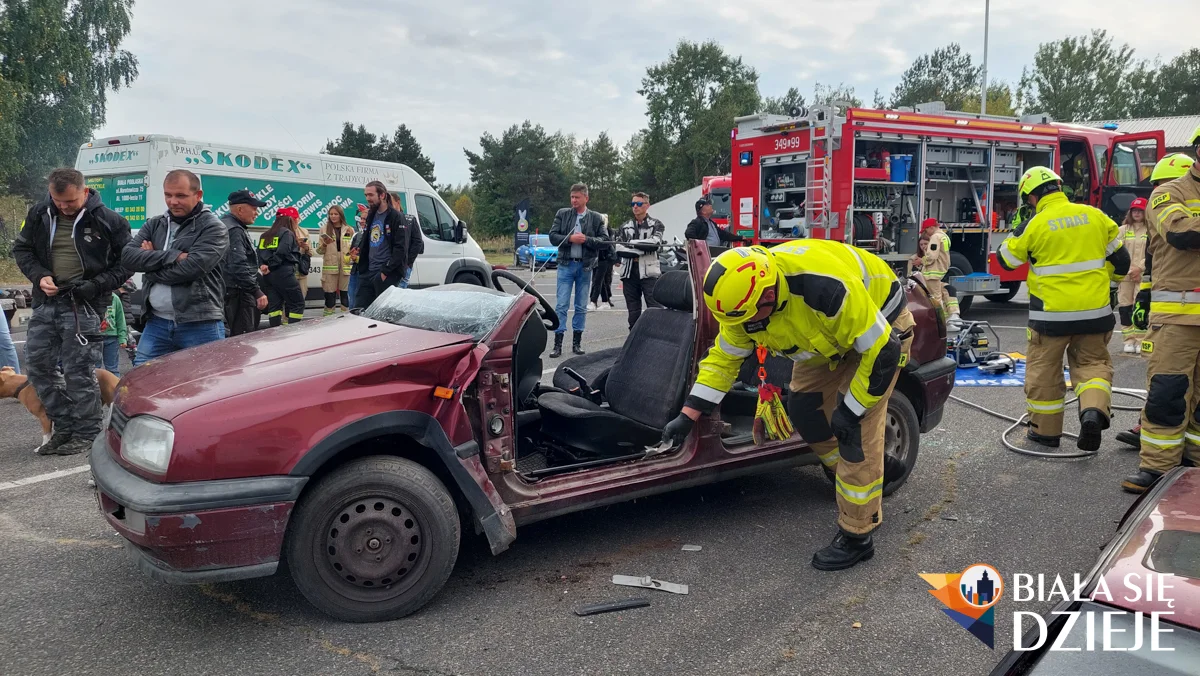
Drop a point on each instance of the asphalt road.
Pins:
(71, 603)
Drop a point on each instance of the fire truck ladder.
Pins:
(818, 172)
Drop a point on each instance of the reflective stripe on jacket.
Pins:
(1174, 216)
(1073, 252)
(832, 299)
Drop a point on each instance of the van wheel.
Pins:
(374, 540)
(467, 278)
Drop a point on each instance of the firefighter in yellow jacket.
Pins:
(841, 315)
(1170, 426)
(1133, 235)
(935, 265)
(1073, 253)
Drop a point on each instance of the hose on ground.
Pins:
(1024, 420)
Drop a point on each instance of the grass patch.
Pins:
(10, 274)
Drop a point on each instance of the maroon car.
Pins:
(1157, 543)
(357, 446)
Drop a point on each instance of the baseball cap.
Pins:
(701, 203)
(245, 197)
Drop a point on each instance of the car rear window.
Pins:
(1180, 654)
(1176, 552)
(457, 308)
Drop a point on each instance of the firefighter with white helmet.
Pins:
(1073, 253)
(840, 314)
(1170, 428)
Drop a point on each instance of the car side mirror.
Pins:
(460, 232)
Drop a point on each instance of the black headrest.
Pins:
(674, 290)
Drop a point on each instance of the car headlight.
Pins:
(147, 443)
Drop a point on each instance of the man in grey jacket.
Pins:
(240, 268)
(180, 254)
(580, 235)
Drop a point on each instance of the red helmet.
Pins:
(1139, 203)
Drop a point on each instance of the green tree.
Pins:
(58, 61)
(353, 143)
(518, 165)
(1080, 78)
(600, 169)
(783, 105)
(692, 99)
(403, 148)
(1174, 89)
(824, 95)
(643, 161)
(945, 74)
(1000, 100)
(566, 154)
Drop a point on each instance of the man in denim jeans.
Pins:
(180, 254)
(580, 235)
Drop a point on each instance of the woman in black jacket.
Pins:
(278, 255)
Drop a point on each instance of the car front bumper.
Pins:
(202, 531)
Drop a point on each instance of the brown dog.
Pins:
(16, 386)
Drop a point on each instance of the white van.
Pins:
(128, 173)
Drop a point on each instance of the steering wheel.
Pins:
(549, 316)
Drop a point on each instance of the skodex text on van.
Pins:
(128, 173)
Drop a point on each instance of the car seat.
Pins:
(645, 387)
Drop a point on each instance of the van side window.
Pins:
(427, 213)
(445, 222)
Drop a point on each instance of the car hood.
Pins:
(184, 380)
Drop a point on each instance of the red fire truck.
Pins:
(870, 177)
(718, 190)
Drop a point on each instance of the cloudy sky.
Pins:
(284, 74)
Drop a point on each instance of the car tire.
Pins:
(467, 278)
(902, 441)
(383, 504)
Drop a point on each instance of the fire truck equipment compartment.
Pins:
(971, 155)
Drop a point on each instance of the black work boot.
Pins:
(56, 440)
(557, 351)
(845, 551)
(1131, 437)
(75, 446)
(1140, 482)
(577, 342)
(1091, 423)
(1042, 439)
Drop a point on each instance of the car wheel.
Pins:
(901, 441)
(374, 540)
(467, 278)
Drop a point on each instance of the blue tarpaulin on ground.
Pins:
(971, 376)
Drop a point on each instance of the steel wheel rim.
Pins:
(372, 549)
(895, 443)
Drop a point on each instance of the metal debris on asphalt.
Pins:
(692, 548)
(856, 625)
(948, 517)
(649, 583)
(611, 606)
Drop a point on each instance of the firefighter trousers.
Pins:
(814, 395)
(1126, 295)
(1171, 418)
(1091, 372)
(941, 294)
(283, 292)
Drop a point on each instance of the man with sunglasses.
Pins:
(841, 315)
(638, 251)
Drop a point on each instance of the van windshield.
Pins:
(456, 308)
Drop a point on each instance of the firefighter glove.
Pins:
(1141, 310)
(848, 430)
(678, 429)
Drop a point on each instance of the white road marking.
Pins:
(9, 485)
